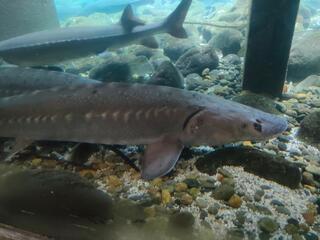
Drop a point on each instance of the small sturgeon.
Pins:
(52, 46)
(18, 80)
(166, 119)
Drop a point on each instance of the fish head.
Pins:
(233, 123)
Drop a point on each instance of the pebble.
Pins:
(307, 178)
(235, 201)
(310, 236)
(224, 173)
(276, 202)
(283, 210)
(268, 225)
(258, 195)
(186, 199)
(181, 187)
(165, 197)
(241, 217)
(235, 234)
(214, 209)
(202, 203)
(192, 183)
(223, 192)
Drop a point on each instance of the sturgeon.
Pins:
(53, 46)
(19, 80)
(163, 118)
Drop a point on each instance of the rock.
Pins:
(228, 41)
(235, 201)
(276, 202)
(195, 82)
(259, 208)
(175, 48)
(306, 84)
(315, 170)
(265, 165)
(201, 202)
(257, 101)
(192, 183)
(196, 59)
(165, 196)
(232, 59)
(167, 75)
(214, 209)
(258, 195)
(307, 178)
(181, 187)
(186, 199)
(309, 130)
(310, 236)
(305, 56)
(241, 217)
(122, 69)
(291, 229)
(283, 210)
(113, 70)
(268, 225)
(223, 192)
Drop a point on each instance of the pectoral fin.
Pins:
(150, 42)
(160, 158)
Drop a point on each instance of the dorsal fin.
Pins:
(128, 20)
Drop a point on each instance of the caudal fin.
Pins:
(174, 23)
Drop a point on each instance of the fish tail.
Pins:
(174, 23)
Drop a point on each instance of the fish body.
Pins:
(52, 46)
(166, 119)
(18, 80)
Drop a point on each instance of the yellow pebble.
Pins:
(235, 201)
(181, 187)
(156, 182)
(36, 162)
(247, 144)
(165, 197)
(186, 199)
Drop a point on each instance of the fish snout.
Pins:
(271, 126)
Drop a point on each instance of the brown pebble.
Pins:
(181, 187)
(235, 201)
(186, 199)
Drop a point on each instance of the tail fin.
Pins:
(175, 20)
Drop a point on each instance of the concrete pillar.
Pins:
(271, 28)
(19, 17)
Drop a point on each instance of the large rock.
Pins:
(257, 101)
(122, 69)
(167, 75)
(265, 165)
(175, 48)
(305, 56)
(310, 129)
(229, 41)
(196, 59)
(306, 84)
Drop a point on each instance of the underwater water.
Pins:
(138, 122)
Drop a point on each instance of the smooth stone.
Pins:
(223, 192)
(214, 209)
(268, 225)
(268, 166)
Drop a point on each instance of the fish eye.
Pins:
(257, 126)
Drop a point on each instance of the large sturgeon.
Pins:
(166, 119)
(52, 46)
